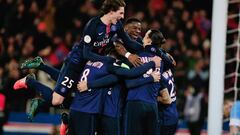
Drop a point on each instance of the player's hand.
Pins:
(135, 60)
(157, 61)
(156, 76)
(173, 61)
(159, 98)
(82, 86)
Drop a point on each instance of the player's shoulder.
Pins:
(116, 26)
(93, 21)
(119, 23)
(151, 49)
(139, 40)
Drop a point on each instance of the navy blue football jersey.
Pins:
(168, 113)
(90, 101)
(112, 102)
(147, 92)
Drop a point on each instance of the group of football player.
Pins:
(122, 84)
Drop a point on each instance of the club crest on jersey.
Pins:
(113, 28)
(63, 90)
(87, 39)
(153, 49)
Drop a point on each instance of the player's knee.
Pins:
(56, 102)
(57, 99)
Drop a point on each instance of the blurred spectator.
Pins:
(198, 77)
(49, 17)
(60, 52)
(231, 110)
(27, 50)
(2, 49)
(2, 112)
(227, 108)
(235, 118)
(156, 6)
(193, 110)
(1, 78)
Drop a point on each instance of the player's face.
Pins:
(146, 39)
(117, 15)
(134, 29)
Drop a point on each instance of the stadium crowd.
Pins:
(48, 28)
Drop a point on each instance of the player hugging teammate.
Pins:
(117, 91)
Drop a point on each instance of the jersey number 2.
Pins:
(172, 92)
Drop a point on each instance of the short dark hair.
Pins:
(112, 5)
(157, 37)
(132, 20)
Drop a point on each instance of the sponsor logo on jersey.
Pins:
(100, 33)
(102, 43)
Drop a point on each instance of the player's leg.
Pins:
(46, 92)
(150, 119)
(21, 83)
(194, 128)
(43, 90)
(64, 124)
(81, 123)
(67, 80)
(168, 130)
(37, 63)
(110, 125)
(133, 118)
(35, 104)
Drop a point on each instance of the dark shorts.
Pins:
(140, 118)
(81, 123)
(68, 77)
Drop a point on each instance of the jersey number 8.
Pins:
(85, 74)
